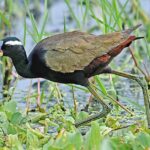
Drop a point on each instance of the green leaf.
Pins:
(106, 144)
(75, 139)
(11, 129)
(10, 106)
(16, 118)
(93, 138)
(143, 139)
(14, 143)
(32, 140)
(65, 142)
(3, 123)
(82, 115)
(49, 145)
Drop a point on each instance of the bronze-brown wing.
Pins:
(75, 50)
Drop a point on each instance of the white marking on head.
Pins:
(13, 43)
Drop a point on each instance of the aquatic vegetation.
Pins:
(51, 126)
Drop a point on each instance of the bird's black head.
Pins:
(10, 46)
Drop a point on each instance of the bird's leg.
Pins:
(90, 99)
(101, 70)
(142, 84)
(103, 113)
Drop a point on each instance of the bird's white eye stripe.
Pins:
(13, 43)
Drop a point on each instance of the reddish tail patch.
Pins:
(98, 63)
(121, 46)
(103, 58)
(101, 62)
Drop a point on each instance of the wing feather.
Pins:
(75, 50)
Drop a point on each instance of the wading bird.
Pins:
(71, 57)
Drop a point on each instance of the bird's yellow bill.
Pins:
(1, 53)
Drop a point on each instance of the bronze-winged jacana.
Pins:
(71, 57)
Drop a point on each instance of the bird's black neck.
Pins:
(22, 64)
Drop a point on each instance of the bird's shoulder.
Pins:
(75, 41)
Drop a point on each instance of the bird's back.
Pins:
(71, 51)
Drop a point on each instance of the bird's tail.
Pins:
(130, 30)
(140, 37)
(115, 51)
